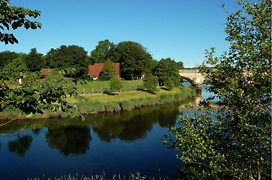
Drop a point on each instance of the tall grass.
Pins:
(130, 101)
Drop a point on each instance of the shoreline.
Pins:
(102, 103)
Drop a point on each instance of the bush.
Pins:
(150, 83)
(33, 97)
(115, 84)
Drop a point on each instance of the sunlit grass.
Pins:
(124, 101)
(106, 84)
(122, 96)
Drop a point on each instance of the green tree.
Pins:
(35, 61)
(234, 142)
(6, 57)
(14, 70)
(135, 61)
(108, 71)
(12, 17)
(169, 83)
(150, 83)
(67, 57)
(115, 84)
(167, 70)
(180, 64)
(102, 51)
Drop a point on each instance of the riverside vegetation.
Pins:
(233, 142)
(57, 96)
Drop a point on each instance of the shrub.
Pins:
(115, 84)
(150, 83)
(33, 97)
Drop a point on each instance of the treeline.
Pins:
(73, 60)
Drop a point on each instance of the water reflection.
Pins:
(69, 139)
(137, 145)
(20, 145)
(130, 126)
(36, 131)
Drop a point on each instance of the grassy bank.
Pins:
(124, 101)
(99, 86)
(96, 103)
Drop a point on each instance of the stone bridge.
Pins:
(193, 76)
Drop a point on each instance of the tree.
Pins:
(150, 83)
(67, 57)
(167, 70)
(135, 61)
(115, 84)
(234, 142)
(14, 69)
(108, 71)
(6, 57)
(34, 60)
(102, 51)
(169, 83)
(15, 17)
(180, 64)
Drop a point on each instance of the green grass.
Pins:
(106, 84)
(93, 103)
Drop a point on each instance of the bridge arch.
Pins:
(187, 79)
(193, 76)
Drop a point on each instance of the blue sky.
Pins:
(179, 29)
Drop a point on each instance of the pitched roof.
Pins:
(44, 73)
(95, 69)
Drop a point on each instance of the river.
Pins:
(120, 143)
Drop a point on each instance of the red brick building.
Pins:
(95, 70)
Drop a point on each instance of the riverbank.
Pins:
(96, 103)
(125, 101)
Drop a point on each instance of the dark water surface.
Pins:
(120, 143)
(112, 143)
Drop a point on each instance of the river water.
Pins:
(120, 143)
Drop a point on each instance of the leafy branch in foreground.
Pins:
(12, 17)
(234, 141)
(35, 97)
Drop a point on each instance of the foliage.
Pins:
(6, 57)
(234, 142)
(167, 70)
(125, 101)
(180, 64)
(66, 57)
(34, 60)
(150, 83)
(102, 51)
(169, 83)
(14, 70)
(115, 84)
(135, 61)
(33, 97)
(15, 17)
(108, 71)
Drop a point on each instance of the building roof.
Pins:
(96, 69)
(44, 73)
